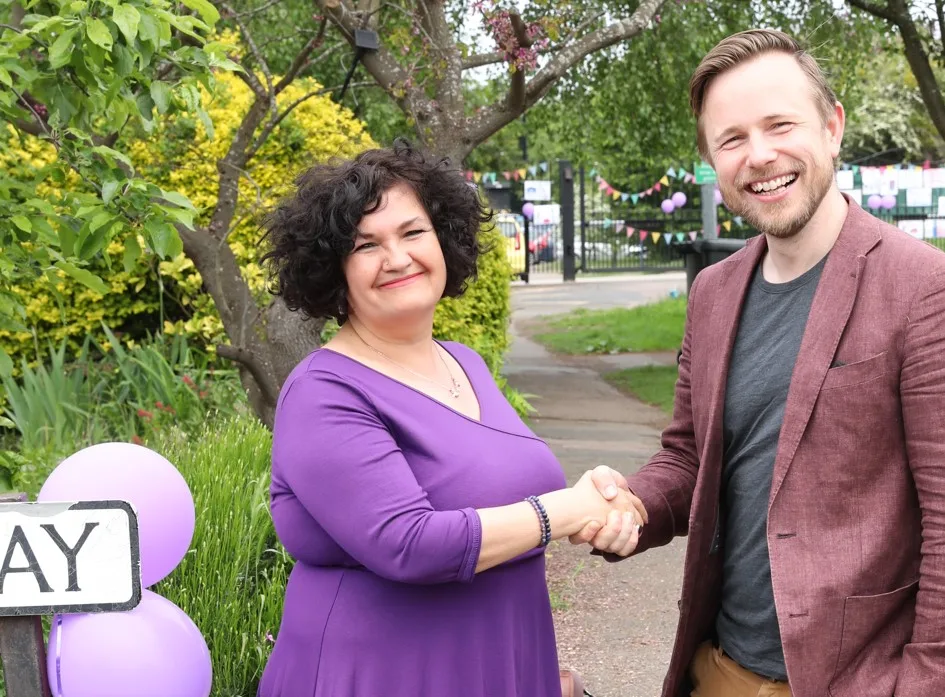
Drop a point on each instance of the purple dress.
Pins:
(374, 491)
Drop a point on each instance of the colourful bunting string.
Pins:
(664, 181)
(667, 237)
(656, 237)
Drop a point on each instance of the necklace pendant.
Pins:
(454, 390)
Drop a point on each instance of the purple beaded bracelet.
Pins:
(543, 519)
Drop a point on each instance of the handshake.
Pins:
(612, 518)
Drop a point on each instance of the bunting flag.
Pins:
(727, 225)
(718, 230)
(693, 235)
(615, 194)
(643, 234)
(738, 220)
(533, 170)
(522, 172)
(656, 237)
(634, 197)
(667, 237)
(671, 173)
(680, 236)
(682, 174)
(624, 197)
(477, 177)
(593, 172)
(544, 166)
(664, 181)
(630, 231)
(507, 174)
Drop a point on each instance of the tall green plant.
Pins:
(232, 582)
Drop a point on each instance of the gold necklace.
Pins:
(454, 391)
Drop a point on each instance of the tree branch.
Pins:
(940, 13)
(270, 127)
(515, 99)
(491, 119)
(261, 8)
(249, 77)
(301, 59)
(877, 10)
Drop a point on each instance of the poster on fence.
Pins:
(918, 198)
(935, 178)
(910, 178)
(845, 180)
(537, 190)
(547, 214)
(916, 228)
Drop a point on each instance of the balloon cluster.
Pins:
(677, 200)
(154, 650)
(876, 201)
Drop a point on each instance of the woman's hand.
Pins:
(619, 531)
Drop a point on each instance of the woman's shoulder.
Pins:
(327, 371)
(462, 352)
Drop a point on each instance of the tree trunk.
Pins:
(924, 75)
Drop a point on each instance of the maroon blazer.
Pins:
(856, 514)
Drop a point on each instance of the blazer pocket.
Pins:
(855, 373)
(874, 631)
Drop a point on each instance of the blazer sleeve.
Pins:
(666, 483)
(333, 450)
(922, 391)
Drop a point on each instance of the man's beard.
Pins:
(772, 218)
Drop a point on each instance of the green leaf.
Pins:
(22, 222)
(126, 18)
(161, 94)
(100, 219)
(132, 251)
(164, 238)
(207, 123)
(98, 33)
(6, 367)
(207, 11)
(60, 53)
(177, 199)
(66, 240)
(148, 29)
(109, 189)
(184, 217)
(84, 277)
(109, 153)
(45, 230)
(5, 77)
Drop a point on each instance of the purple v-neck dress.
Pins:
(374, 491)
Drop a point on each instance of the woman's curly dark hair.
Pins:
(311, 232)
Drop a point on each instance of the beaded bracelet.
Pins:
(543, 519)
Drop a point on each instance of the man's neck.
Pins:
(787, 259)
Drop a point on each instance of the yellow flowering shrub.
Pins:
(180, 156)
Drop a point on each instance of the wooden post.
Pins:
(22, 649)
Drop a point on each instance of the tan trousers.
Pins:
(716, 675)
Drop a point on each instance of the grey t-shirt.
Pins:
(769, 337)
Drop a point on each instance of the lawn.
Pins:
(652, 384)
(654, 327)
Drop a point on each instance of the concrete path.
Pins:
(615, 622)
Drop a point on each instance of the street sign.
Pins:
(69, 557)
(704, 173)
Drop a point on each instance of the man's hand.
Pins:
(622, 533)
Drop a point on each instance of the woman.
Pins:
(415, 501)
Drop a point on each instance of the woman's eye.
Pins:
(415, 233)
(366, 245)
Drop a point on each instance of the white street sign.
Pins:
(68, 557)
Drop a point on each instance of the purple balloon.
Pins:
(679, 199)
(874, 201)
(528, 210)
(718, 197)
(888, 201)
(154, 650)
(667, 205)
(151, 484)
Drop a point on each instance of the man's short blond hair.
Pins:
(743, 47)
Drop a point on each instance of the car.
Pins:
(514, 235)
(542, 246)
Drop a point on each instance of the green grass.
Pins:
(652, 384)
(654, 327)
(232, 581)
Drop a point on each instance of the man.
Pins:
(806, 454)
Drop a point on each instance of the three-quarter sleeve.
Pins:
(333, 450)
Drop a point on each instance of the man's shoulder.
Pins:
(712, 276)
(897, 246)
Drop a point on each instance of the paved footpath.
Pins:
(615, 622)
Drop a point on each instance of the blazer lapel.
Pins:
(729, 300)
(829, 313)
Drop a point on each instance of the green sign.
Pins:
(704, 173)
